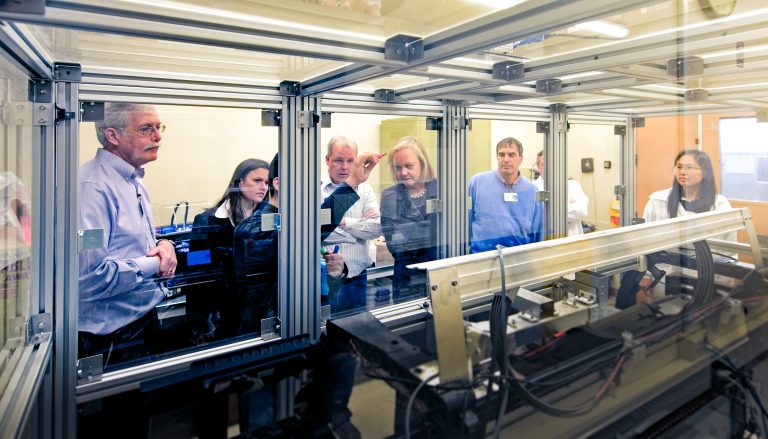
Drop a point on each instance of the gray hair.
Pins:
(340, 139)
(118, 115)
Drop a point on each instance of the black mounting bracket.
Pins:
(403, 48)
(508, 70)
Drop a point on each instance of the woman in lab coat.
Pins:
(693, 190)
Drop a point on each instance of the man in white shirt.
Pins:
(356, 232)
(578, 202)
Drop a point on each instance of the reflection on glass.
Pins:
(15, 219)
(409, 219)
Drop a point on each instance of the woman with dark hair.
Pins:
(693, 189)
(245, 190)
(409, 222)
(212, 236)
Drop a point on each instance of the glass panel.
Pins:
(203, 176)
(744, 159)
(16, 238)
(593, 170)
(640, 26)
(395, 223)
(503, 212)
(355, 26)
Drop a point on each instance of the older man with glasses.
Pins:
(120, 278)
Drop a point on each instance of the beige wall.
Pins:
(599, 143)
(200, 149)
(202, 146)
(584, 140)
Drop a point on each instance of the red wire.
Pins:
(610, 379)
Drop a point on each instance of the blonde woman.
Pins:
(407, 223)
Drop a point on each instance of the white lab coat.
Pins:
(578, 205)
(656, 210)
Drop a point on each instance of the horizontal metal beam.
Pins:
(176, 84)
(24, 52)
(615, 105)
(707, 37)
(340, 103)
(479, 275)
(511, 24)
(199, 28)
(690, 109)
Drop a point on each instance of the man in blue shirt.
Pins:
(120, 280)
(504, 208)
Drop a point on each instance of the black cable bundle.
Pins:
(704, 290)
(498, 328)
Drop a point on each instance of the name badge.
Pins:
(510, 197)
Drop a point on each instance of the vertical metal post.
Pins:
(452, 176)
(42, 264)
(299, 246)
(628, 170)
(66, 262)
(556, 172)
(299, 268)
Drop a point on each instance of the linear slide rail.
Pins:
(463, 278)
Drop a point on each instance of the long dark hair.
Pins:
(705, 199)
(232, 193)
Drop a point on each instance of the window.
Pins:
(744, 159)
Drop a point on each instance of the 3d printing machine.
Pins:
(527, 339)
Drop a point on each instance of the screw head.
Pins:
(434, 287)
(454, 282)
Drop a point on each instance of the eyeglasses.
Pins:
(688, 168)
(147, 130)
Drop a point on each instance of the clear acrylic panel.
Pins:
(395, 222)
(153, 194)
(16, 238)
(593, 171)
(503, 210)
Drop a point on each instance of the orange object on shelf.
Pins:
(615, 213)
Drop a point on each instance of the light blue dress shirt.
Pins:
(117, 282)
